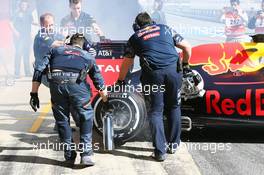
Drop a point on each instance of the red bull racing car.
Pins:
(233, 77)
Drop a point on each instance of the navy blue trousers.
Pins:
(64, 96)
(166, 100)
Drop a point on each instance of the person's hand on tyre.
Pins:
(103, 94)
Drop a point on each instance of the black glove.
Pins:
(186, 68)
(34, 101)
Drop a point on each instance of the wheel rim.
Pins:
(122, 114)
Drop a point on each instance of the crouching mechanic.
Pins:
(68, 68)
(161, 70)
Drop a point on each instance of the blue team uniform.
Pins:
(42, 45)
(155, 45)
(66, 64)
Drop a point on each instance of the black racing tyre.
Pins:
(129, 114)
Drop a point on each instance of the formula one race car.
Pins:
(233, 77)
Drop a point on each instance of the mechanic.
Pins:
(160, 63)
(80, 22)
(45, 40)
(68, 86)
(235, 20)
(257, 21)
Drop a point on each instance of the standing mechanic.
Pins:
(68, 67)
(45, 40)
(80, 22)
(159, 60)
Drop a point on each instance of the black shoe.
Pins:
(87, 161)
(159, 158)
(71, 160)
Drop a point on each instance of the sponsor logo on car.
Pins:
(105, 53)
(224, 57)
(242, 106)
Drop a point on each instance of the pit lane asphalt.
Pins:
(221, 151)
(28, 144)
(240, 151)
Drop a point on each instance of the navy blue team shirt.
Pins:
(156, 43)
(42, 44)
(70, 59)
